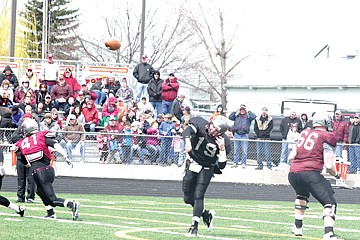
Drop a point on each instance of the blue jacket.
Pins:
(166, 127)
(127, 139)
(242, 122)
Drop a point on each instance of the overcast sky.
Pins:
(277, 27)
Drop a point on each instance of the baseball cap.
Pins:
(357, 115)
(47, 96)
(68, 70)
(187, 108)
(338, 112)
(263, 109)
(172, 75)
(72, 117)
(112, 117)
(144, 57)
(160, 116)
(242, 106)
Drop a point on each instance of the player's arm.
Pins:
(190, 130)
(329, 160)
(51, 142)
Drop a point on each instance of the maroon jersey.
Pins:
(34, 147)
(309, 150)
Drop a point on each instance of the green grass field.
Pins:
(129, 217)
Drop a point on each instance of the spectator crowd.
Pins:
(146, 122)
(141, 122)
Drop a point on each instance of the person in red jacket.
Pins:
(91, 116)
(71, 81)
(341, 131)
(170, 88)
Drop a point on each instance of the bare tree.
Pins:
(217, 62)
(167, 42)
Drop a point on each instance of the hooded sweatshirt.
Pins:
(154, 88)
(12, 77)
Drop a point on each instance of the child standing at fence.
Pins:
(102, 143)
(126, 143)
(138, 142)
(113, 150)
(153, 143)
(292, 136)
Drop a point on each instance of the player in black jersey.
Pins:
(207, 147)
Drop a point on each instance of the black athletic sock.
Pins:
(50, 212)
(69, 204)
(328, 230)
(298, 223)
(195, 224)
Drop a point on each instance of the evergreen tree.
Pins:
(63, 40)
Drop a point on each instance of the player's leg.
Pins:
(301, 201)
(6, 203)
(322, 191)
(188, 186)
(45, 178)
(202, 183)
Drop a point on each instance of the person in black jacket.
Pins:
(177, 107)
(263, 127)
(284, 129)
(143, 72)
(24, 175)
(9, 75)
(154, 90)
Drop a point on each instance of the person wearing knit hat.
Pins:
(16, 116)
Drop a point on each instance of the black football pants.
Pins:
(194, 188)
(44, 179)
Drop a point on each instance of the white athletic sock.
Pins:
(66, 202)
(196, 219)
(48, 207)
(14, 207)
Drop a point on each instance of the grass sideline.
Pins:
(133, 217)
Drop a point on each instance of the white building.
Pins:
(267, 84)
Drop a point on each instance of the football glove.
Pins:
(67, 160)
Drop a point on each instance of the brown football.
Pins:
(113, 44)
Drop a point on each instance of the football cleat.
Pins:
(51, 216)
(296, 231)
(21, 211)
(331, 236)
(208, 218)
(30, 200)
(75, 210)
(192, 231)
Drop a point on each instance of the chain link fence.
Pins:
(108, 148)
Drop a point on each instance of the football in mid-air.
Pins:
(113, 43)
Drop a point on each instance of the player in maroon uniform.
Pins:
(207, 147)
(5, 202)
(34, 153)
(314, 150)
